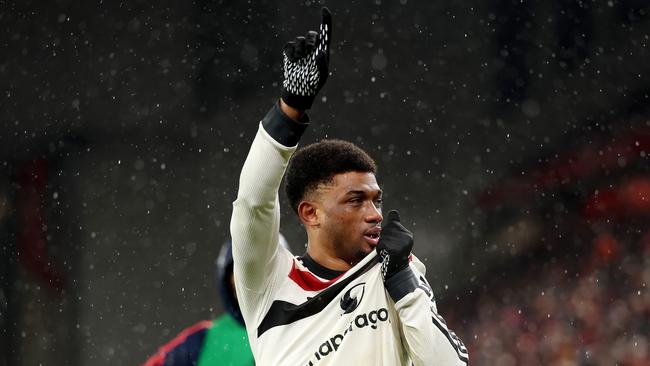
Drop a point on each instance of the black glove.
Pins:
(394, 247)
(306, 65)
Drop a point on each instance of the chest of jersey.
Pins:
(352, 321)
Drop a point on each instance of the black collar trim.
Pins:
(317, 269)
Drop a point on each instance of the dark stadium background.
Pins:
(512, 135)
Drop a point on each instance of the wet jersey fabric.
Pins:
(295, 317)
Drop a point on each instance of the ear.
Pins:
(308, 213)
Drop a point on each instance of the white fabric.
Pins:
(376, 332)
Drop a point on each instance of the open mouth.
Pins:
(372, 236)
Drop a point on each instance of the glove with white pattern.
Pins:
(394, 247)
(306, 65)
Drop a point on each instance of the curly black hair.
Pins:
(317, 163)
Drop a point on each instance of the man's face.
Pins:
(350, 214)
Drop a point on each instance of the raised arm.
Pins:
(427, 337)
(255, 219)
(294, 114)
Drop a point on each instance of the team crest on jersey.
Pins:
(352, 298)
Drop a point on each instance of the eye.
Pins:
(379, 202)
(356, 201)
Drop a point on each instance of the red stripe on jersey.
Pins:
(308, 281)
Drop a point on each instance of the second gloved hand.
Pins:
(394, 247)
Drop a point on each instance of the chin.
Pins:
(363, 252)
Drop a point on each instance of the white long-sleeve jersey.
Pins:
(294, 317)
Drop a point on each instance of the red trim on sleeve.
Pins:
(159, 358)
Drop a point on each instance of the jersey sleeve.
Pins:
(184, 349)
(255, 221)
(428, 339)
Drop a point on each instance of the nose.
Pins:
(373, 214)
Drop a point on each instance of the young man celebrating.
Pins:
(357, 296)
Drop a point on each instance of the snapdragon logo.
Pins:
(331, 345)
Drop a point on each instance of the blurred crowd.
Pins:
(587, 309)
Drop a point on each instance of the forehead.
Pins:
(353, 181)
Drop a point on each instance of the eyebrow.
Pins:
(363, 193)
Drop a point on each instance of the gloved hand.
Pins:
(394, 246)
(306, 65)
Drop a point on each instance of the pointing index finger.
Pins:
(325, 28)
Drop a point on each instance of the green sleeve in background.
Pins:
(226, 344)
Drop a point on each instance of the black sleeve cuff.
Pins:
(401, 284)
(282, 128)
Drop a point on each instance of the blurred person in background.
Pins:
(222, 341)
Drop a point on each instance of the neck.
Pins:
(324, 255)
